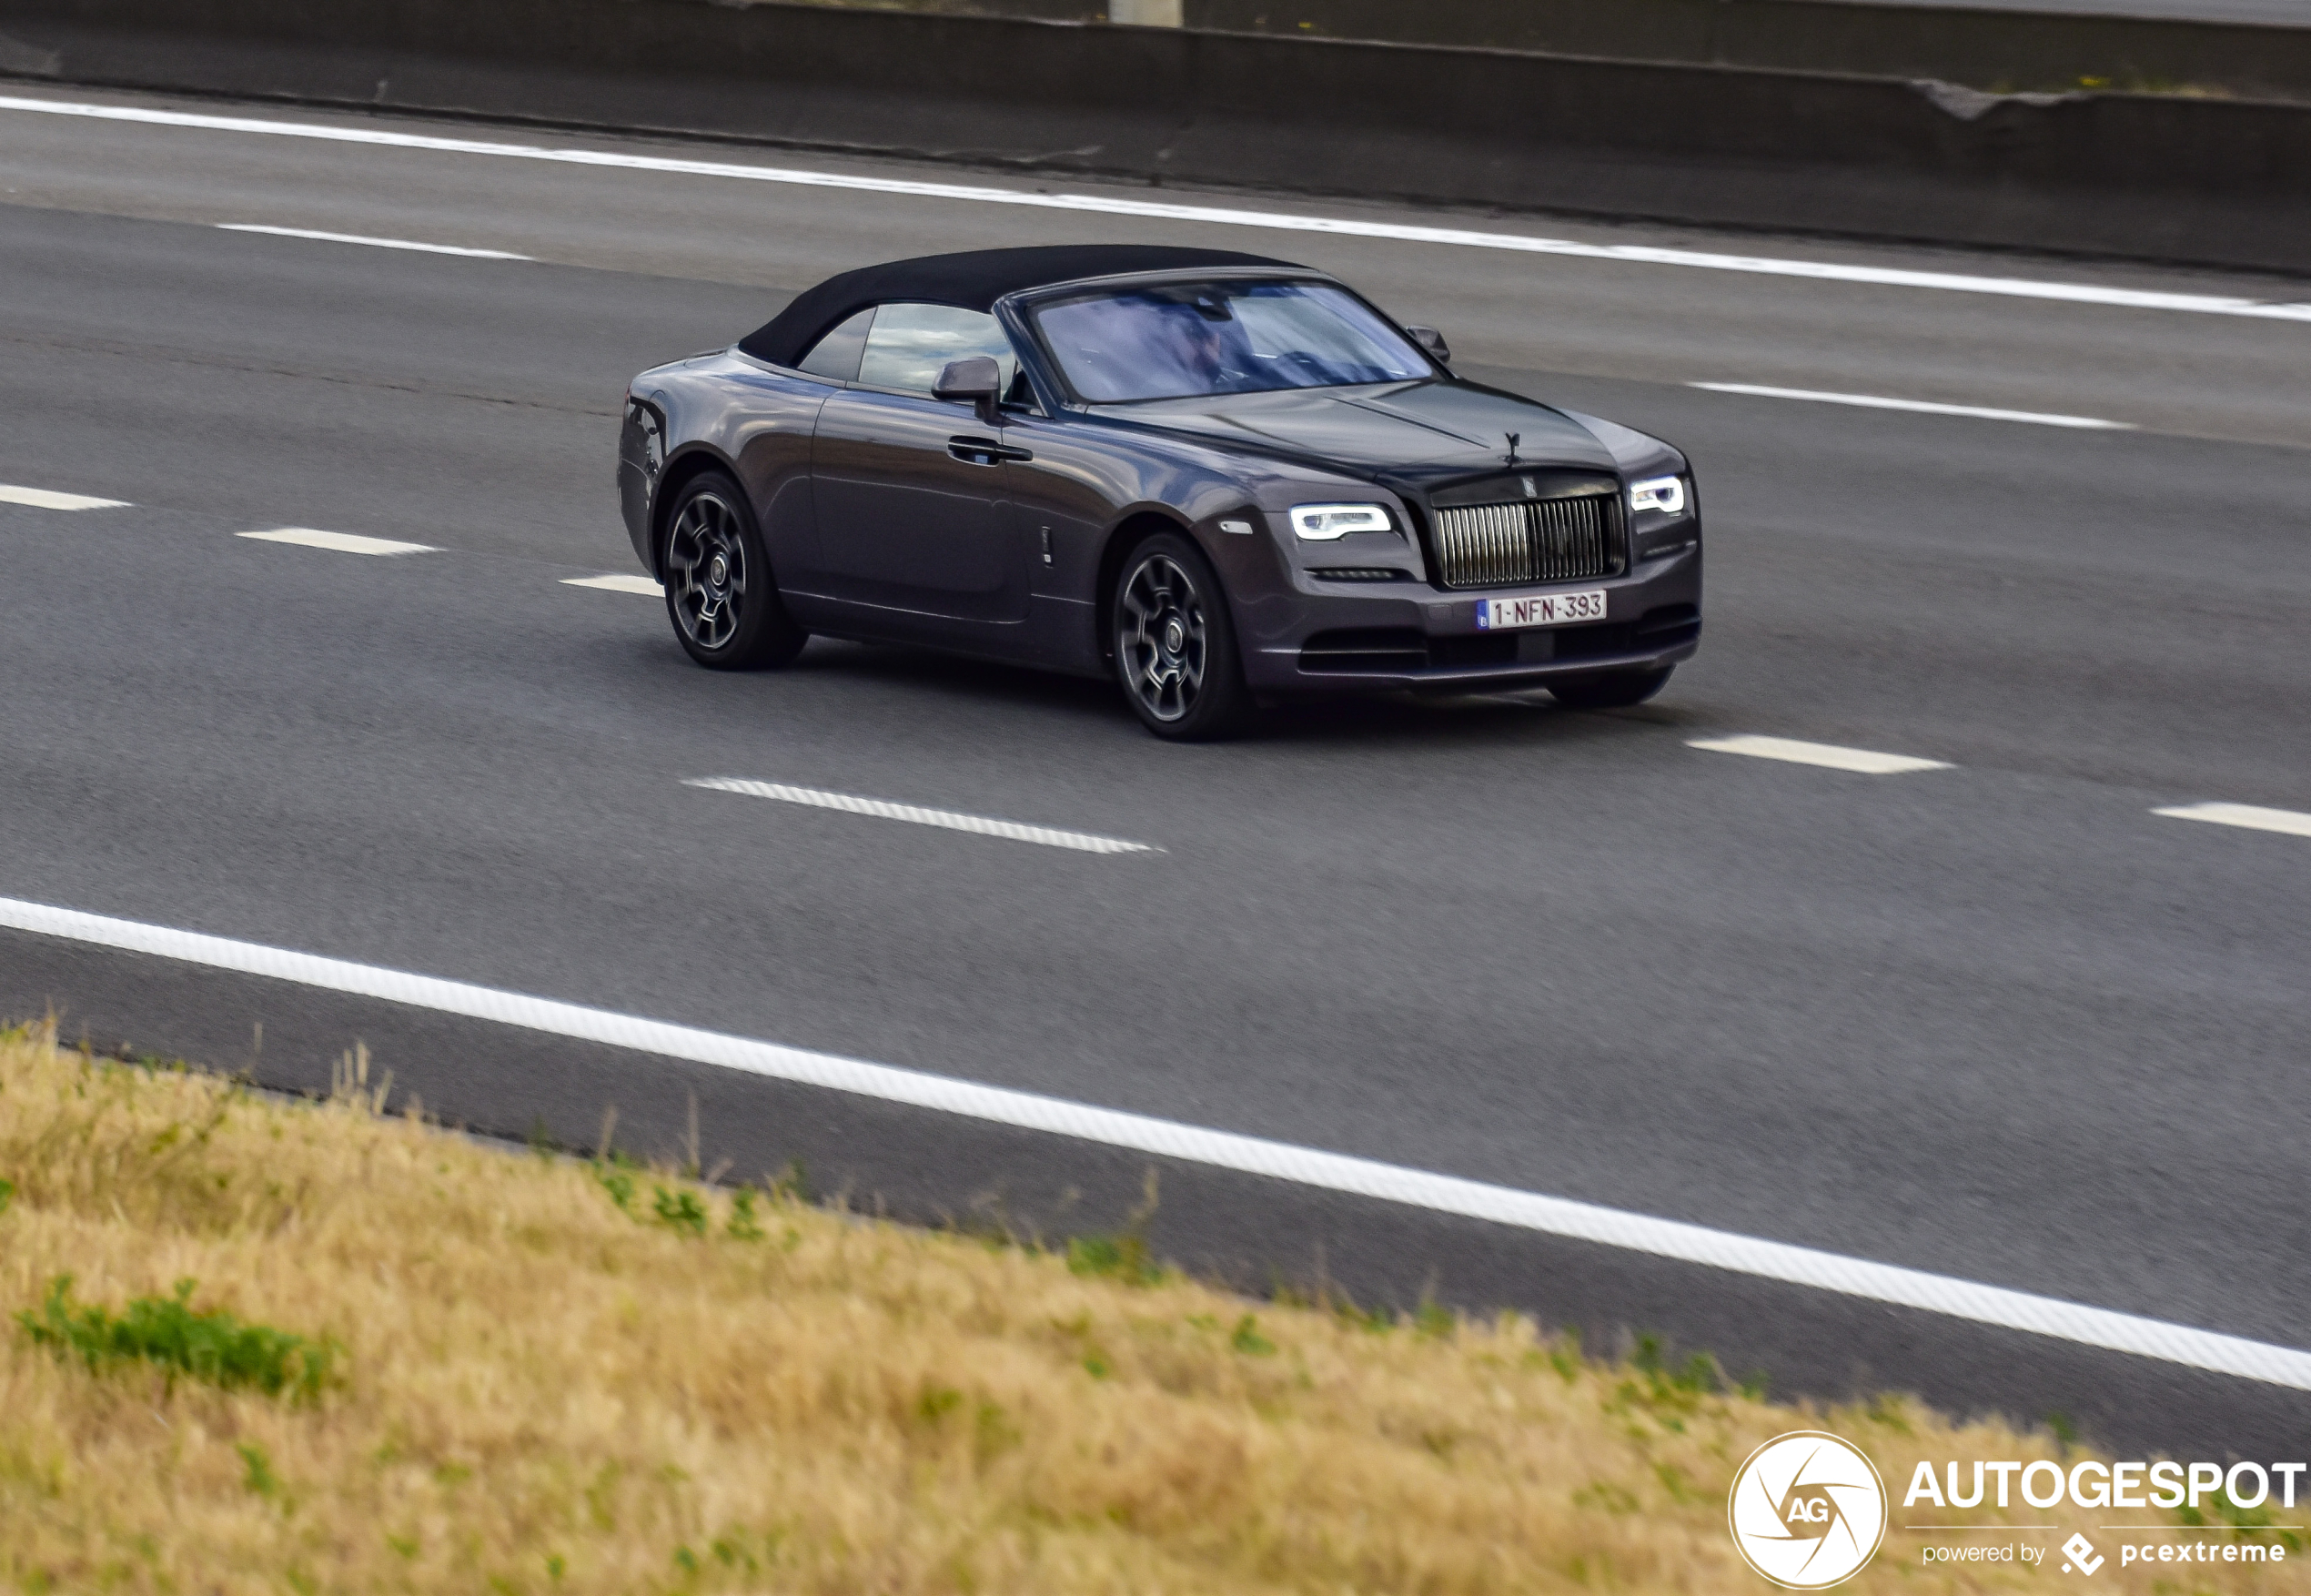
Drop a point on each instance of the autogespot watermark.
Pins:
(2241, 1490)
(1808, 1510)
(2110, 1485)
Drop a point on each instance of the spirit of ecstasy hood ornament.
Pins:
(1513, 438)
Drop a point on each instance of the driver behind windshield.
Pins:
(1223, 362)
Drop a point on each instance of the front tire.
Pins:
(1174, 643)
(720, 592)
(1610, 690)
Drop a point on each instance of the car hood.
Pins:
(1426, 428)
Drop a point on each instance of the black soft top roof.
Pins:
(974, 280)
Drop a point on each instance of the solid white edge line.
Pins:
(1083, 842)
(338, 542)
(1307, 1167)
(1864, 761)
(1922, 406)
(374, 243)
(616, 582)
(48, 499)
(2248, 816)
(1830, 271)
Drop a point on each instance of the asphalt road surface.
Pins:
(1998, 1020)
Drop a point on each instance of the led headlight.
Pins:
(1320, 523)
(1665, 494)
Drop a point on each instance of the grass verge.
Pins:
(406, 1363)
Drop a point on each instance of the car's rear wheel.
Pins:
(719, 591)
(1174, 643)
(1610, 690)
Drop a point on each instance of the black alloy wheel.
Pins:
(1174, 643)
(718, 589)
(1610, 690)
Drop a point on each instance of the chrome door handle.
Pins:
(984, 451)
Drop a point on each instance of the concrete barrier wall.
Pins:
(2169, 178)
(1987, 49)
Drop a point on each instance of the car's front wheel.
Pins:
(1174, 643)
(719, 588)
(1610, 690)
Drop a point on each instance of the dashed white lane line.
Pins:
(1922, 406)
(1863, 761)
(1312, 1168)
(2291, 822)
(617, 584)
(373, 243)
(45, 498)
(341, 542)
(1085, 842)
(1223, 216)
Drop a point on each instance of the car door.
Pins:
(1069, 483)
(911, 492)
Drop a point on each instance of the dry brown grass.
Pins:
(537, 1391)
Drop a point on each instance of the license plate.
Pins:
(1543, 609)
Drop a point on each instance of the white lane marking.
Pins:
(46, 498)
(375, 243)
(1085, 842)
(342, 542)
(2292, 822)
(1309, 1166)
(617, 584)
(1923, 407)
(1823, 270)
(1830, 755)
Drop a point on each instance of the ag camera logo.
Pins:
(1808, 1510)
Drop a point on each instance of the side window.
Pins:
(910, 344)
(836, 355)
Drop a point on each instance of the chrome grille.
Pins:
(1540, 539)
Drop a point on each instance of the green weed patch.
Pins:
(166, 1332)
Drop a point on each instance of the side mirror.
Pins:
(1431, 341)
(977, 379)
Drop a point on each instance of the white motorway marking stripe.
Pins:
(2292, 822)
(1923, 407)
(1087, 841)
(1217, 1149)
(1828, 755)
(43, 499)
(617, 584)
(342, 542)
(1223, 216)
(374, 243)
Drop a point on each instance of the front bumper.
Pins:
(1329, 637)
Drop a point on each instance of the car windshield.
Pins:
(1179, 340)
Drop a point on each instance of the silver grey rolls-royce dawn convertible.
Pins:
(1222, 478)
